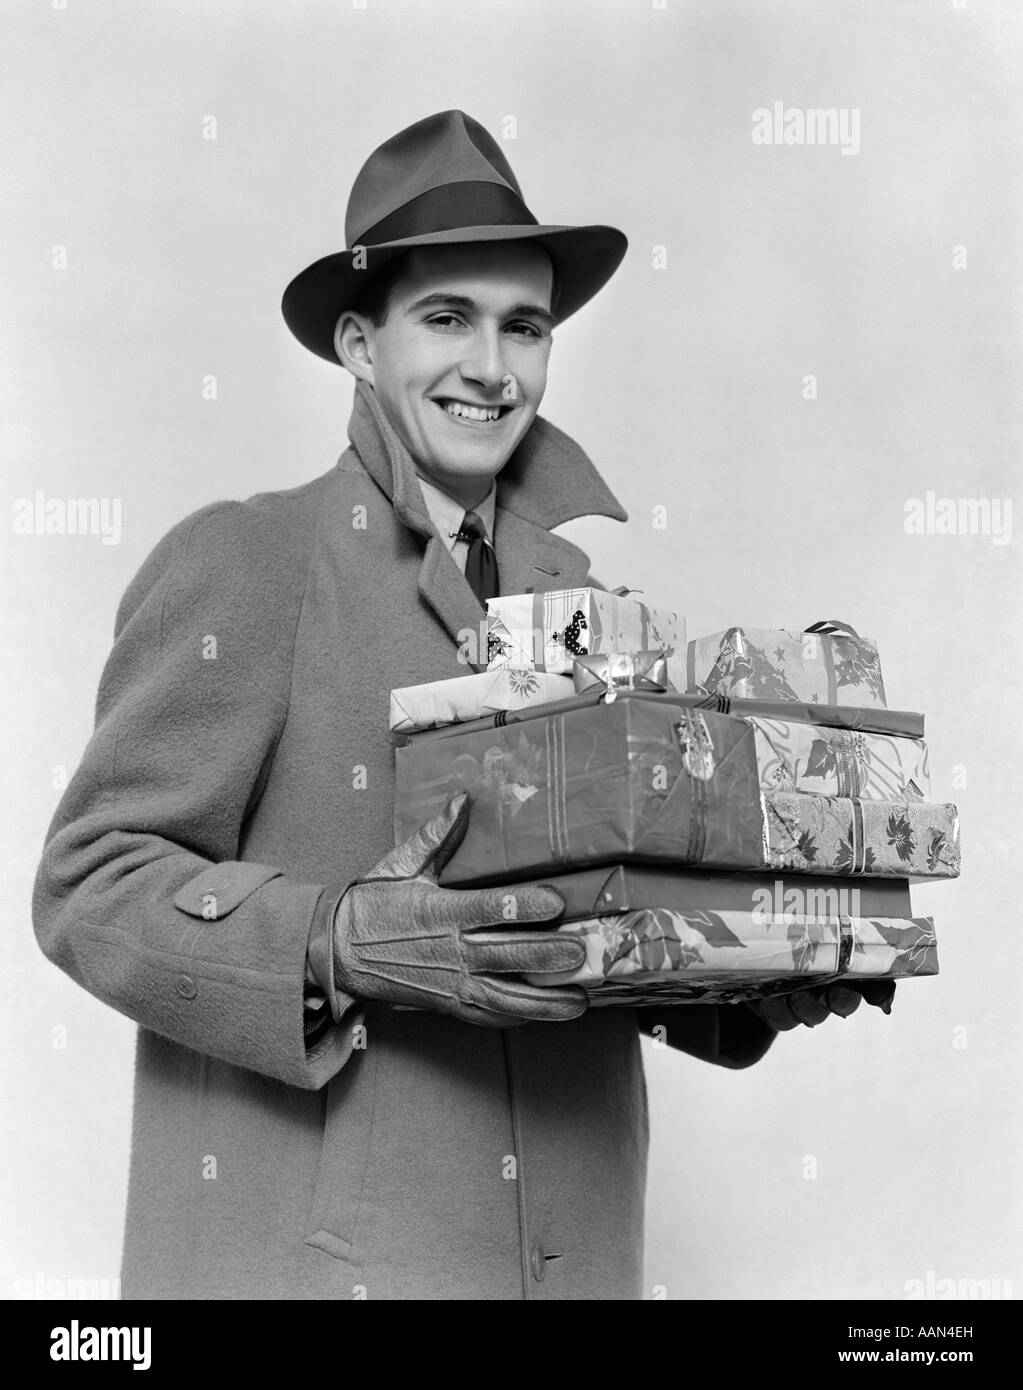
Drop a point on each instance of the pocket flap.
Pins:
(219, 889)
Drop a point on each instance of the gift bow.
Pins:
(833, 627)
(621, 671)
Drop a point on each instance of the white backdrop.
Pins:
(856, 1157)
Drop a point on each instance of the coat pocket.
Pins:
(344, 1156)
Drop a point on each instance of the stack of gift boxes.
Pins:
(728, 817)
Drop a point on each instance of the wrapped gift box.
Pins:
(598, 892)
(634, 778)
(660, 956)
(647, 777)
(897, 723)
(815, 667)
(894, 722)
(845, 835)
(794, 756)
(469, 697)
(547, 631)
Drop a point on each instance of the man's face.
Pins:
(460, 363)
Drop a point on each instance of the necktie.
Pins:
(481, 562)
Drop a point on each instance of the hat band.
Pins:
(446, 209)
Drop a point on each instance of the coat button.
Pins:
(538, 1263)
(186, 986)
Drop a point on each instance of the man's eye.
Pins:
(444, 321)
(526, 330)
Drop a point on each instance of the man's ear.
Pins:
(353, 343)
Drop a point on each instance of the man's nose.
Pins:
(484, 361)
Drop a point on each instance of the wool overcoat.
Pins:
(241, 749)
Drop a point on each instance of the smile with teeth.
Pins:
(479, 414)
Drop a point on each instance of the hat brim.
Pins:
(585, 259)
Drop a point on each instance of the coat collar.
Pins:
(548, 480)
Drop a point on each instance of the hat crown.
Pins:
(447, 148)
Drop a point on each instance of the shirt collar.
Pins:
(447, 514)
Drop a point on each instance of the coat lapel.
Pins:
(548, 480)
(446, 590)
(532, 560)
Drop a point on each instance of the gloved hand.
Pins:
(813, 1006)
(401, 938)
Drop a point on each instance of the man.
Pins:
(221, 870)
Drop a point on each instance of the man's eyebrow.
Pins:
(441, 298)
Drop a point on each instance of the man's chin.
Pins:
(451, 474)
(477, 459)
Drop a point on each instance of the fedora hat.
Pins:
(443, 181)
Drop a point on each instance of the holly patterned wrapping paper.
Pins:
(437, 703)
(547, 631)
(661, 957)
(754, 663)
(846, 835)
(794, 756)
(631, 779)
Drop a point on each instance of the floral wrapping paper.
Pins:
(632, 779)
(437, 703)
(579, 622)
(846, 835)
(660, 956)
(794, 756)
(776, 665)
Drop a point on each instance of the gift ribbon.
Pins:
(697, 749)
(848, 770)
(643, 670)
(698, 762)
(539, 620)
(831, 628)
(846, 943)
(857, 838)
(900, 723)
(557, 818)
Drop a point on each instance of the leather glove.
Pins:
(813, 1006)
(402, 939)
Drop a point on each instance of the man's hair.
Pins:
(372, 300)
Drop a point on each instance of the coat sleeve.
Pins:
(140, 896)
(727, 1035)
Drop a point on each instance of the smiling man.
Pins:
(221, 867)
(456, 348)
